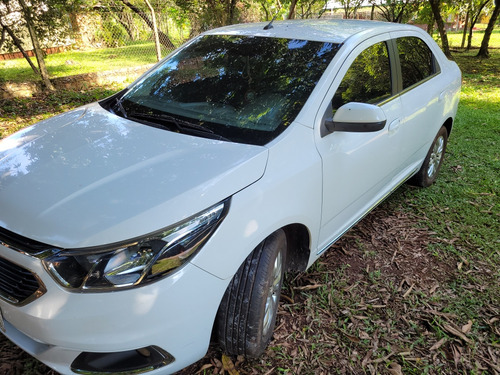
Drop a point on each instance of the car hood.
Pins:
(88, 178)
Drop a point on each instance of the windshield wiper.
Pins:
(182, 126)
(119, 105)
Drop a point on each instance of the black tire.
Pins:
(247, 314)
(430, 168)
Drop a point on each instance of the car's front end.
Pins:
(164, 326)
(98, 226)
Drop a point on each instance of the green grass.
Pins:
(78, 62)
(134, 54)
(455, 38)
(467, 190)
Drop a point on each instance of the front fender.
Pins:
(288, 193)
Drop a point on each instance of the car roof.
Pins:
(324, 30)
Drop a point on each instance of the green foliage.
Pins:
(400, 11)
(112, 33)
(367, 79)
(49, 17)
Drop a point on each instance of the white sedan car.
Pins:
(135, 229)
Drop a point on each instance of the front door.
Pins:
(358, 168)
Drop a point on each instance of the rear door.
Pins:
(422, 96)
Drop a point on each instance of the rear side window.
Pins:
(368, 79)
(417, 60)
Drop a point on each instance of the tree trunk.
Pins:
(291, 11)
(125, 21)
(19, 46)
(465, 28)
(265, 11)
(2, 39)
(231, 12)
(164, 39)
(75, 28)
(430, 26)
(436, 11)
(483, 50)
(473, 20)
(469, 37)
(155, 31)
(36, 47)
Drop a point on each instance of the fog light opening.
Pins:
(136, 361)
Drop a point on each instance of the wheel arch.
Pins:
(298, 240)
(448, 124)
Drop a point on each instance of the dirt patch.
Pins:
(372, 304)
(392, 244)
(77, 82)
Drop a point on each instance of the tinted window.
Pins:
(417, 61)
(368, 79)
(244, 88)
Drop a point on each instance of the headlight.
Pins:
(137, 261)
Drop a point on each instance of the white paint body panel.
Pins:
(117, 180)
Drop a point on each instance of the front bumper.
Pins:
(175, 314)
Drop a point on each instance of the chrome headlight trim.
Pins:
(137, 261)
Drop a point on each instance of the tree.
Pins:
(305, 8)
(207, 14)
(436, 11)
(483, 50)
(30, 24)
(426, 15)
(474, 11)
(34, 21)
(399, 11)
(164, 39)
(291, 11)
(350, 7)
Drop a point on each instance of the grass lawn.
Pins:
(455, 38)
(141, 53)
(78, 62)
(414, 288)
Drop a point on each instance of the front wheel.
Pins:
(247, 314)
(432, 163)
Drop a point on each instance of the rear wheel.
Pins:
(432, 163)
(247, 314)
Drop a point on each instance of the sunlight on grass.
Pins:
(79, 62)
(455, 38)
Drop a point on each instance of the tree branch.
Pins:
(19, 46)
(164, 39)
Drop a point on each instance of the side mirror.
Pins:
(357, 118)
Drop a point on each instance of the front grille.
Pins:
(17, 284)
(20, 243)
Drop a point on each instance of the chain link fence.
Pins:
(128, 30)
(97, 41)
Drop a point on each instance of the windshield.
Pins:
(244, 89)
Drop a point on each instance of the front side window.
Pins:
(245, 89)
(416, 59)
(368, 79)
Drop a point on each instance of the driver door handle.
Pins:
(394, 126)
